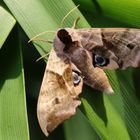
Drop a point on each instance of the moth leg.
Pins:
(75, 23)
(43, 56)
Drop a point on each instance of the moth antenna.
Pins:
(42, 33)
(45, 55)
(68, 15)
(75, 23)
(43, 40)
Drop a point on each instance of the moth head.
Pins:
(104, 58)
(64, 36)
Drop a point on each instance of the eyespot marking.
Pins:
(99, 60)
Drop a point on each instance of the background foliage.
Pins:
(100, 116)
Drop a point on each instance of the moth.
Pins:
(80, 56)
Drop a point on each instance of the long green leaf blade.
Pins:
(7, 22)
(84, 130)
(13, 115)
(126, 11)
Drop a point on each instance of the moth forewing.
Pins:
(121, 46)
(58, 94)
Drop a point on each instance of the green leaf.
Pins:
(7, 22)
(126, 11)
(13, 115)
(78, 128)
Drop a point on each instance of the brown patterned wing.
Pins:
(112, 48)
(125, 46)
(59, 91)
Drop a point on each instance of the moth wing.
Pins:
(119, 47)
(58, 95)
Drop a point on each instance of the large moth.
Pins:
(80, 55)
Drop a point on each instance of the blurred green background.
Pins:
(100, 116)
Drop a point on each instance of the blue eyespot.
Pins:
(76, 78)
(99, 60)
